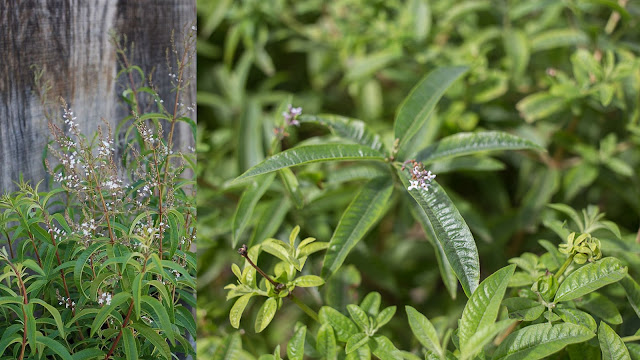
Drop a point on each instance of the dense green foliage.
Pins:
(101, 265)
(560, 79)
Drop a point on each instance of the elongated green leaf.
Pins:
(557, 38)
(356, 341)
(295, 347)
(516, 47)
(347, 128)
(577, 317)
(292, 186)
(419, 104)
(539, 106)
(385, 316)
(238, 308)
(54, 346)
(106, 310)
(632, 289)
(247, 204)
(462, 144)
(481, 338)
(371, 303)
(362, 353)
(92, 353)
(129, 344)
(359, 316)
(590, 278)
(611, 345)
(308, 281)
(229, 348)
(82, 261)
(265, 314)
(343, 327)
(54, 313)
(326, 342)
(385, 350)
(162, 316)
(600, 306)
(451, 232)
(152, 336)
(540, 340)
(523, 308)
(250, 149)
(446, 271)
(424, 331)
(482, 308)
(364, 211)
(310, 154)
(137, 294)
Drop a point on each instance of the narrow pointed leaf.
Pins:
(356, 341)
(129, 344)
(347, 128)
(451, 232)
(371, 303)
(161, 315)
(632, 289)
(540, 340)
(424, 331)
(523, 308)
(106, 310)
(310, 154)
(292, 186)
(419, 104)
(343, 326)
(265, 314)
(359, 316)
(578, 317)
(295, 347)
(590, 278)
(600, 306)
(360, 216)
(247, 204)
(308, 281)
(326, 342)
(611, 344)
(481, 338)
(54, 313)
(229, 348)
(482, 308)
(446, 272)
(156, 340)
(54, 346)
(385, 316)
(463, 144)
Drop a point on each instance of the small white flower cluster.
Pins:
(106, 148)
(147, 319)
(104, 298)
(290, 116)
(69, 120)
(147, 230)
(67, 303)
(114, 184)
(147, 134)
(88, 227)
(57, 233)
(176, 273)
(420, 178)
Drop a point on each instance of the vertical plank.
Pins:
(70, 41)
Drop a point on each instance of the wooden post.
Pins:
(70, 41)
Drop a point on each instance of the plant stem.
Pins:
(631, 338)
(564, 267)
(243, 251)
(304, 307)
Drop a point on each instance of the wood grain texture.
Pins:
(70, 41)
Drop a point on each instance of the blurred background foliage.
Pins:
(565, 74)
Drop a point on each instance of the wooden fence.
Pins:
(70, 41)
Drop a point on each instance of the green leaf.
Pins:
(229, 348)
(54, 346)
(577, 317)
(162, 316)
(600, 306)
(523, 308)
(590, 278)
(482, 308)
(539, 106)
(611, 345)
(247, 204)
(424, 331)
(82, 261)
(265, 314)
(540, 340)
(462, 144)
(363, 212)
(371, 303)
(295, 347)
(54, 312)
(326, 342)
(516, 47)
(308, 281)
(310, 154)
(419, 104)
(446, 271)
(359, 317)
(557, 38)
(478, 340)
(356, 341)
(451, 232)
(385, 316)
(106, 310)
(238, 308)
(93, 353)
(347, 128)
(385, 350)
(250, 148)
(129, 344)
(156, 340)
(343, 327)
(632, 289)
(137, 289)
(292, 186)
(362, 353)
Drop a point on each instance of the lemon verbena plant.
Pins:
(102, 264)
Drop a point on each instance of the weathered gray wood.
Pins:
(70, 40)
